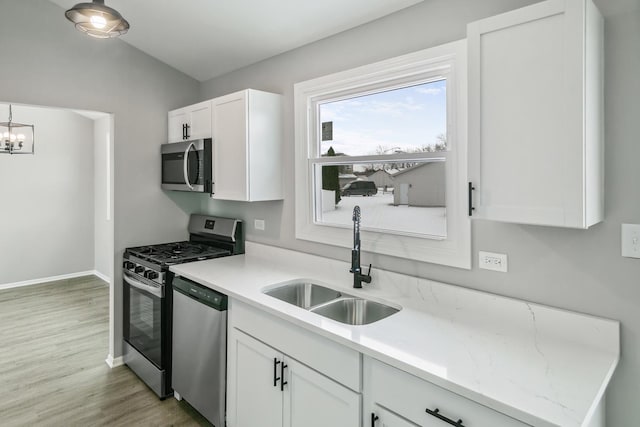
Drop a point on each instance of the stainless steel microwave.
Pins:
(187, 166)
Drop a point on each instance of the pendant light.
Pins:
(97, 20)
(16, 138)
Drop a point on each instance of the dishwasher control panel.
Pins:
(201, 293)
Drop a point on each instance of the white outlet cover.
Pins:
(258, 224)
(493, 261)
(631, 240)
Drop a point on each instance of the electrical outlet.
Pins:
(258, 224)
(492, 261)
(631, 240)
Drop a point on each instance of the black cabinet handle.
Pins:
(187, 131)
(374, 418)
(436, 413)
(471, 208)
(184, 131)
(283, 366)
(276, 378)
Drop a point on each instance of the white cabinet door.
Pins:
(535, 115)
(177, 120)
(199, 121)
(230, 156)
(191, 122)
(247, 146)
(382, 417)
(313, 400)
(253, 399)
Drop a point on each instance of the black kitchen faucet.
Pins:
(356, 269)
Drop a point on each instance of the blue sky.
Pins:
(407, 118)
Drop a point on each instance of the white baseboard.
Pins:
(102, 276)
(113, 363)
(54, 278)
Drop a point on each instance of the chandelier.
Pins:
(97, 20)
(16, 138)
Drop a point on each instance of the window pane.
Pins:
(410, 119)
(402, 197)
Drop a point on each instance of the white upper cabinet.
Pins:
(536, 115)
(189, 123)
(247, 146)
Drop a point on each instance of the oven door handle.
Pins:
(153, 290)
(186, 166)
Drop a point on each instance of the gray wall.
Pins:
(103, 207)
(52, 64)
(47, 198)
(580, 270)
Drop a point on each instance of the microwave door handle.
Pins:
(186, 167)
(143, 287)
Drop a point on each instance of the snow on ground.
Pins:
(378, 212)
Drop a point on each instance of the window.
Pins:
(389, 137)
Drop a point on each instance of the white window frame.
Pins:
(446, 61)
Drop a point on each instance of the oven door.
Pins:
(145, 318)
(186, 166)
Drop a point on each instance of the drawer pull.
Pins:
(276, 378)
(436, 413)
(374, 418)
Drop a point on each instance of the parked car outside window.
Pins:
(360, 188)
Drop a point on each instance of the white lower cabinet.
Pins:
(313, 400)
(382, 417)
(270, 389)
(399, 399)
(257, 399)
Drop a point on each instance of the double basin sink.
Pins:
(332, 304)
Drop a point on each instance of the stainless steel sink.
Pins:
(304, 294)
(330, 303)
(355, 311)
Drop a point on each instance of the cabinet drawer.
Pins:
(410, 396)
(336, 361)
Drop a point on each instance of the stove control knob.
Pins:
(128, 265)
(139, 269)
(150, 274)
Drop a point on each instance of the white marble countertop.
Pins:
(540, 365)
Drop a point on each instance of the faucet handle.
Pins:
(367, 277)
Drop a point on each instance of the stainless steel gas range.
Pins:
(147, 296)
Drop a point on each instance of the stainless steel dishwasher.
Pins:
(200, 348)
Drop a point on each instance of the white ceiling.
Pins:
(208, 38)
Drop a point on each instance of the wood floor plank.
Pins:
(53, 342)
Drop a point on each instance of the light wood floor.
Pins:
(53, 342)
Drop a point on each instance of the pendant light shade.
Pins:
(97, 20)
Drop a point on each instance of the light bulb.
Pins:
(98, 21)
(5, 136)
(20, 137)
(12, 137)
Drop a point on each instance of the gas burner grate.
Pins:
(178, 252)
